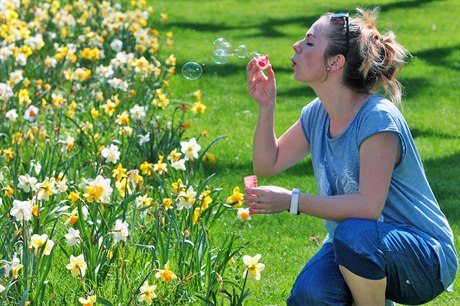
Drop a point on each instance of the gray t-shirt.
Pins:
(410, 199)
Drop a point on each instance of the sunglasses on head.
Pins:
(342, 17)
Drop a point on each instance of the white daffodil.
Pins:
(111, 154)
(12, 115)
(26, 182)
(22, 210)
(186, 199)
(190, 149)
(77, 265)
(137, 112)
(120, 231)
(72, 237)
(253, 266)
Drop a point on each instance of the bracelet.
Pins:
(295, 202)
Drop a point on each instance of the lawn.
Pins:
(428, 29)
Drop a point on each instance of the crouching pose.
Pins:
(387, 237)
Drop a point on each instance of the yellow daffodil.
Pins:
(209, 158)
(143, 201)
(8, 153)
(74, 196)
(196, 215)
(8, 191)
(237, 197)
(109, 107)
(178, 186)
(35, 210)
(167, 203)
(198, 95)
(98, 190)
(160, 167)
(89, 301)
(94, 113)
(119, 172)
(166, 274)
(205, 199)
(123, 118)
(146, 168)
(198, 108)
(174, 156)
(15, 270)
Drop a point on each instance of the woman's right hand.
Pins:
(260, 86)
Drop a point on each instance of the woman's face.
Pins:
(308, 61)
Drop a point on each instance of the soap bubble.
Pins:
(192, 71)
(227, 47)
(220, 56)
(218, 42)
(242, 51)
(222, 44)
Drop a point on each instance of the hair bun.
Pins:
(382, 56)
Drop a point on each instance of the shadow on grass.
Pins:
(230, 69)
(404, 5)
(302, 168)
(268, 27)
(303, 91)
(440, 57)
(416, 133)
(442, 173)
(417, 87)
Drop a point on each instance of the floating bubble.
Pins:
(242, 51)
(221, 43)
(227, 47)
(218, 42)
(220, 56)
(192, 71)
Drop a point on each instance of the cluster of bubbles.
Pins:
(222, 51)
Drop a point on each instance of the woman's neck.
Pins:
(342, 104)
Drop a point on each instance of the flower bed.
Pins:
(103, 199)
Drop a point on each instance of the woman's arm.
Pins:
(378, 156)
(272, 155)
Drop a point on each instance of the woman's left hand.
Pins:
(267, 199)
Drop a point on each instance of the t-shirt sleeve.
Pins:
(379, 120)
(308, 117)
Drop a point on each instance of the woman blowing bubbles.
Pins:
(387, 237)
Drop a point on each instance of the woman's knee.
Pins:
(320, 282)
(356, 247)
(352, 231)
(307, 291)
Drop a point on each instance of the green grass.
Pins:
(428, 29)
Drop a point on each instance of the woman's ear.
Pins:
(336, 62)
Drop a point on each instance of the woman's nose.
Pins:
(296, 48)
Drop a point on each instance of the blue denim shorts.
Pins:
(372, 250)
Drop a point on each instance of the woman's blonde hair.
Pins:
(371, 58)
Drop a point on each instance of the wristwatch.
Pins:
(295, 202)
